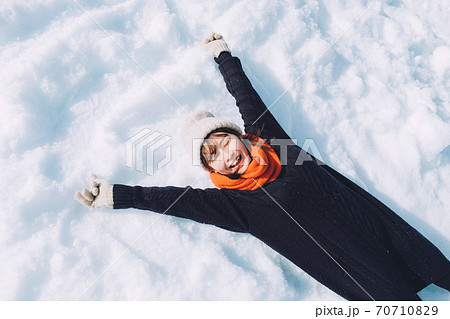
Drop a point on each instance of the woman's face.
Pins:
(226, 154)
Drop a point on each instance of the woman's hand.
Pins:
(214, 44)
(100, 194)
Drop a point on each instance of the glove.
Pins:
(214, 44)
(100, 194)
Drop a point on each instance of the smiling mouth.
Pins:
(236, 162)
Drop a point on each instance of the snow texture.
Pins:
(72, 92)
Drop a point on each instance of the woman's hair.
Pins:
(208, 149)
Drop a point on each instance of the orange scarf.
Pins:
(264, 168)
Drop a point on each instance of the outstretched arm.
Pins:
(256, 116)
(208, 206)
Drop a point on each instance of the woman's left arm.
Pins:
(257, 117)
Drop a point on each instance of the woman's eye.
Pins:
(211, 157)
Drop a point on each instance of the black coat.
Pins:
(314, 216)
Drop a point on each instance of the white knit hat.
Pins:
(196, 127)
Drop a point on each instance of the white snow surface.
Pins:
(76, 84)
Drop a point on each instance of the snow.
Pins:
(376, 105)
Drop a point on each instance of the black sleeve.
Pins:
(208, 206)
(256, 116)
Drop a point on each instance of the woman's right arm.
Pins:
(208, 206)
(212, 206)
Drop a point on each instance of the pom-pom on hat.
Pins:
(197, 126)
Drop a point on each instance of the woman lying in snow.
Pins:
(320, 220)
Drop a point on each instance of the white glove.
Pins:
(214, 44)
(100, 194)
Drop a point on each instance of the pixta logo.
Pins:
(148, 150)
